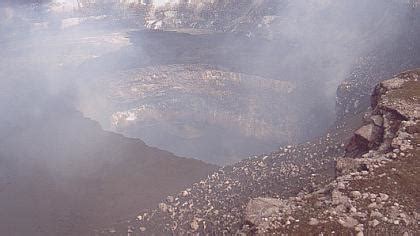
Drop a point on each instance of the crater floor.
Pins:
(199, 110)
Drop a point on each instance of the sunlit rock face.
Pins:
(219, 15)
(201, 111)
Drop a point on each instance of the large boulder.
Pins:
(365, 138)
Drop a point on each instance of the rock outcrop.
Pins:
(393, 101)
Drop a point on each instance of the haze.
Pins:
(214, 81)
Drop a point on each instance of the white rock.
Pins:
(313, 221)
(356, 194)
(359, 228)
(348, 222)
(341, 185)
(374, 223)
(184, 193)
(376, 214)
(373, 205)
(163, 207)
(383, 196)
(194, 225)
(170, 199)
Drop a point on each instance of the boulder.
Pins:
(377, 120)
(260, 210)
(365, 138)
(348, 222)
(369, 133)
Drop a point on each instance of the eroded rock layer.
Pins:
(187, 109)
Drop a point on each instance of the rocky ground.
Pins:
(367, 186)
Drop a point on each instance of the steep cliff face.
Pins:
(300, 190)
(219, 15)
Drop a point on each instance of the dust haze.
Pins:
(217, 92)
